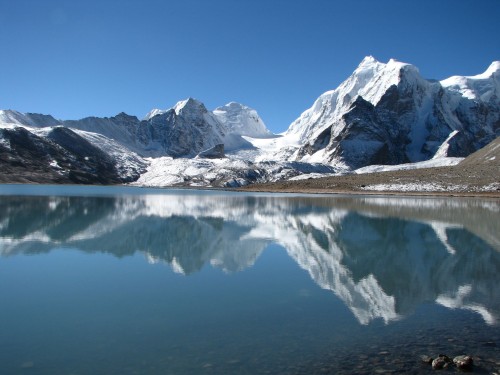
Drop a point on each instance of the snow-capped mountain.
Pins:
(184, 130)
(383, 114)
(389, 114)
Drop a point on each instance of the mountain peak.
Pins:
(154, 112)
(234, 105)
(492, 69)
(369, 63)
(400, 65)
(124, 116)
(242, 120)
(368, 60)
(190, 104)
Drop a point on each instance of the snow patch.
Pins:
(433, 163)
(431, 187)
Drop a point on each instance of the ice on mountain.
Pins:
(483, 87)
(242, 120)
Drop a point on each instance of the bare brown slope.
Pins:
(488, 155)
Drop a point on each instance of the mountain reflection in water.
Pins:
(382, 257)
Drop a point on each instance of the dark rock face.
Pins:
(365, 140)
(25, 157)
(61, 157)
(215, 152)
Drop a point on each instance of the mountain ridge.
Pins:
(383, 113)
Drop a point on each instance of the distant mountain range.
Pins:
(382, 114)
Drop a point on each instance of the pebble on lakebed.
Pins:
(462, 362)
(442, 361)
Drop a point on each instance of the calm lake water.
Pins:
(118, 280)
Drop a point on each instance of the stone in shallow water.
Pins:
(426, 359)
(442, 361)
(463, 362)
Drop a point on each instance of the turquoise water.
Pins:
(116, 280)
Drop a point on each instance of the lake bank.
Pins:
(477, 181)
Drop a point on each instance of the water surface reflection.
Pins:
(383, 257)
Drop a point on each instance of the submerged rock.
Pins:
(442, 361)
(426, 359)
(463, 362)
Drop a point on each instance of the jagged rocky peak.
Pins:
(370, 80)
(154, 112)
(242, 120)
(191, 106)
(183, 106)
(125, 117)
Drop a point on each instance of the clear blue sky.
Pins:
(78, 58)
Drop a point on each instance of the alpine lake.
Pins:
(124, 280)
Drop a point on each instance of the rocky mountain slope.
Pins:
(61, 155)
(487, 156)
